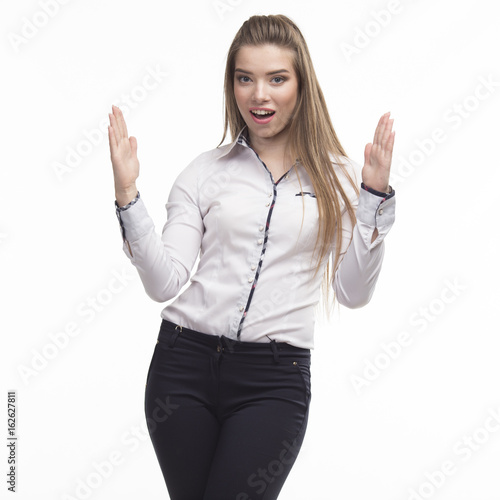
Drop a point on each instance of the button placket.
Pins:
(262, 243)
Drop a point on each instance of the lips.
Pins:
(262, 115)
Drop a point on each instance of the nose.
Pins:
(260, 93)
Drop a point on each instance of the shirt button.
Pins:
(261, 228)
(259, 242)
(270, 194)
(250, 280)
(381, 211)
(267, 204)
(242, 308)
(253, 267)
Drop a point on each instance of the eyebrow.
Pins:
(270, 72)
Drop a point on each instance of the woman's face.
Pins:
(264, 79)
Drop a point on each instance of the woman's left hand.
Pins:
(378, 156)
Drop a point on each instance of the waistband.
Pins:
(170, 332)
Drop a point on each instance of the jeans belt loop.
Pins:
(275, 351)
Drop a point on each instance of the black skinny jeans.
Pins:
(226, 418)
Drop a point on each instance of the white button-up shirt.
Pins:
(254, 280)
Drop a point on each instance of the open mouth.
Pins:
(262, 116)
(258, 113)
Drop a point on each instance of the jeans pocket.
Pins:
(303, 368)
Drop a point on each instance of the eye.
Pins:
(240, 79)
(279, 78)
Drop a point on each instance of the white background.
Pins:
(60, 243)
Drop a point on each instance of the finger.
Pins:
(368, 148)
(112, 140)
(387, 159)
(110, 116)
(387, 133)
(377, 130)
(116, 123)
(121, 122)
(133, 145)
(380, 128)
(115, 141)
(390, 143)
(116, 128)
(121, 119)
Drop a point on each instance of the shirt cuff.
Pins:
(119, 209)
(128, 205)
(375, 211)
(134, 219)
(388, 195)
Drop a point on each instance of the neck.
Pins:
(273, 147)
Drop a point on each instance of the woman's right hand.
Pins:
(123, 158)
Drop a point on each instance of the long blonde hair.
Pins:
(311, 140)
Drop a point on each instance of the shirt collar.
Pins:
(241, 139)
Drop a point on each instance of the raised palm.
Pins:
(378, 156)
(123, 152)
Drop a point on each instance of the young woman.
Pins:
(228, 388)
